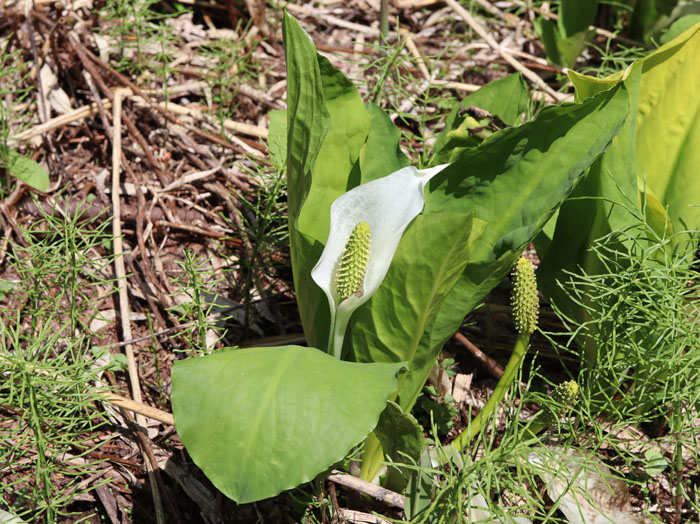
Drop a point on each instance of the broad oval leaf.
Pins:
(515, 180)
(396, 324)
(261, 420)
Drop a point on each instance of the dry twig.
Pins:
(476, 26)
(124, 297)
(376, 492)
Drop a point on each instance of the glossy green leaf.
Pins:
(323, 112)
(277, 136)
(514, 182)
(381, 153)
(327, 126)
(311, 300)
(392, 325)
(308, 120)
(669, 121)
(337, 166)
(592, 211)
(26, 170)
(261, 420)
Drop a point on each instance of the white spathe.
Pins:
(388, 205)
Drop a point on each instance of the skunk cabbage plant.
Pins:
(387, 262)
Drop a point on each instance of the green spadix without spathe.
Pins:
(375, 215)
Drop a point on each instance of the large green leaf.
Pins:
(402, 441)
(665, 116)
(575, 16)
(337, 166)
(680, 26)
(277, 136)
(261, 420)
(517, 178)
(381, 154)
(308, 120)
(311, 300)
(390, 326)
(549, 35)
(593, 209)
(513, 182)
(327, 125)
(506, 97)
(572, 46)
(564, 41)
(669, 121)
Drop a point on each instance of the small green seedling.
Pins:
(24, 169)
(655, 462)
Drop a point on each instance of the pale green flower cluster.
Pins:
(526, 304)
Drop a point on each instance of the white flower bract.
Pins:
(387, 205)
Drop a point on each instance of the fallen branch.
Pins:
(140, 408)
(390, 498)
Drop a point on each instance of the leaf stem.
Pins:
(372, 458)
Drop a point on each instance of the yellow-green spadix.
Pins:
(377, 213)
